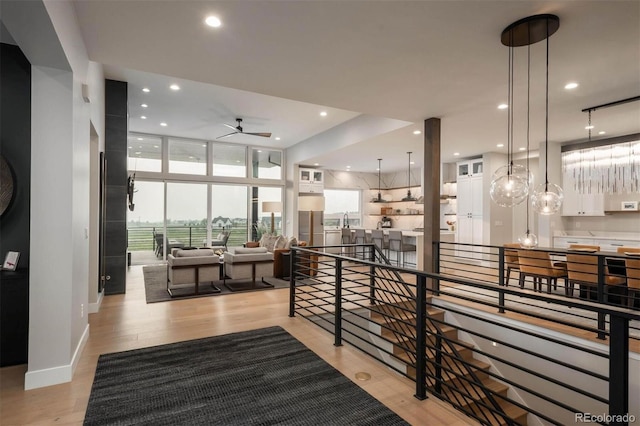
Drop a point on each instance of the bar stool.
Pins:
(346, 237)
(397, 244)
(361, 238)
(378, 239)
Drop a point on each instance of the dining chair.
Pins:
(633, 280)
(397, 244)
(584, 247)
(582, 269)
(537, 264)
(510, 260)
(379, 240)
(632, 271)
(346, 237)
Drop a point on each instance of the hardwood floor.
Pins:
(127, 322)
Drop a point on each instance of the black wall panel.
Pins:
(115, 241)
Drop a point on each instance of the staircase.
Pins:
(465, 382)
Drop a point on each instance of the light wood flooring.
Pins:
(127, 322)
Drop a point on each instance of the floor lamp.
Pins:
(272, 207)
(311, 204)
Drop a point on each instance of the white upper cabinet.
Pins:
(576, 204)
(469, 168)
(310, 180)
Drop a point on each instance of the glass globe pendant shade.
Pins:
(547, 199)
(528, 240)
(510, 185)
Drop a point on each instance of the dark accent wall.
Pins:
(15, 147)
(115, 240)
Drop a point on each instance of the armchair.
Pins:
(220, 241)
(280, 246)
(187, 268)
(247, 263)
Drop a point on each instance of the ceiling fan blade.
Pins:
(264, 135)
(229, 126)
(227, 135)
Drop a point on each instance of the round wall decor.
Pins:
(7, 185)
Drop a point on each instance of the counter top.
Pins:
(599, 235)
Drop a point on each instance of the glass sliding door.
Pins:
(186, 222)
(145, 224)
(229, 212)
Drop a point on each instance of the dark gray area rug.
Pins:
(257, 377)
(155, 286)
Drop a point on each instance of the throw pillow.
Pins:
(280, 243)
(219, 237)
(291, 242)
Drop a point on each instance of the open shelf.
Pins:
(620, 211)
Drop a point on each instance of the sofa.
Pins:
(247, 263)
(189, 268)
(280, 246)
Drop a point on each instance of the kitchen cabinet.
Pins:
(469, 218)
(577, 204)
(469, 168)
(310, 180)
(565, 242)
(605, 244)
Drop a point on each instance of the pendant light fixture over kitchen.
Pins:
(547, 197)
(379, 199)
(510, 183)
(409, 197)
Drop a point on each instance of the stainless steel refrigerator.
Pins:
(304, 228)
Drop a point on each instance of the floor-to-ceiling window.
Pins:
(187, 191)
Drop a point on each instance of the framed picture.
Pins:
(629, 205)
(11, 261)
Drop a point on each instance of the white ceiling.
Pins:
(277, 64)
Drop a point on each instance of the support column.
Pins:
(431, 191)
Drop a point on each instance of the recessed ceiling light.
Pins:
(503, 106)
(259, 150)
(500, 145)
(174, 87)
(204, 145)
(323, 114)
(522, 148)
(191, 157)
(140, 146)
(138, 152)
(156, 146)
(456, 153)
(237, 161)
(589, 127)
(130, 147)
(140, 139)
(316, 164)
(144, 105)
(277, 138)
(213, 21)
(377, 168)
(163, 124)
(601, 132)
(146, 90)
(348, 167)
(416, 132)
(570, 86)
(144, 117)
(412, 162)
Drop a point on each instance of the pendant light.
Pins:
(510, 183)
(409, 197)
(547, 197)
(528, 240)
(379, 199)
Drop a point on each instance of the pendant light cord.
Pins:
(528, 121)
(546, 122)
(511, 107)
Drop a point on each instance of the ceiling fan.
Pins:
(238, 130)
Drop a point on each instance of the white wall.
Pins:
(49, 35)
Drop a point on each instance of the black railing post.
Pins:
(338, 305)
(372, 276)
(292, 281)
(501, 282)
(421, 336)
(601, 297)
(438, 362)
(436, 267)
(190, 242)
(619, 370)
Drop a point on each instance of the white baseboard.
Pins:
(95, 307)
(56, 375)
